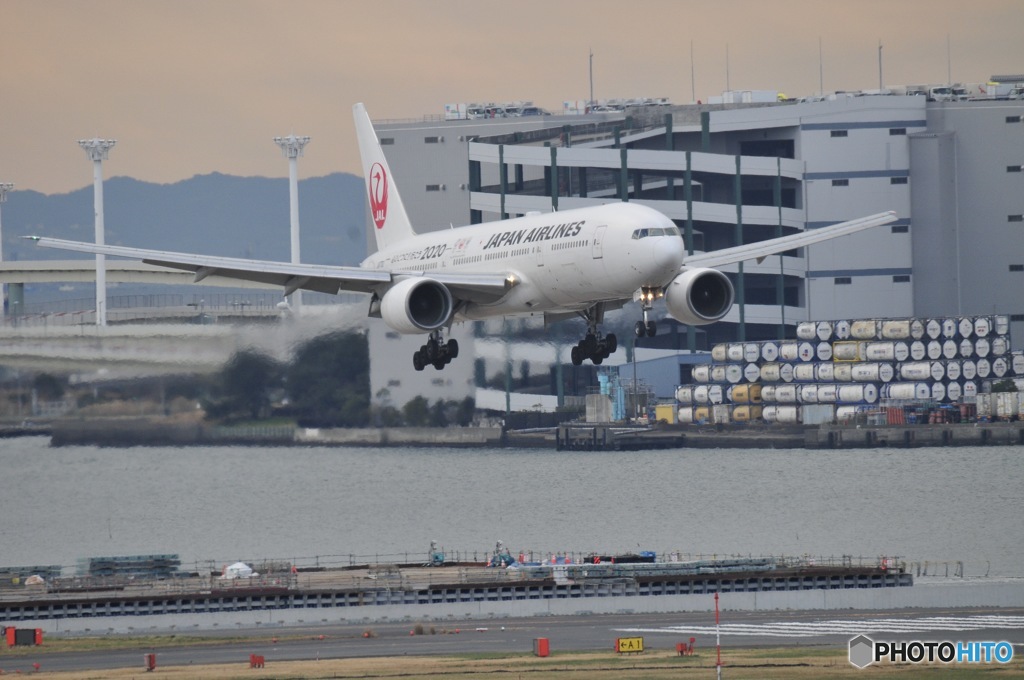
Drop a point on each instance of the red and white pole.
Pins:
(718, 643)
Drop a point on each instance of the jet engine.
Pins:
(699, 296)
(415, 305)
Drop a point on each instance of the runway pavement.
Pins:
(565, 633)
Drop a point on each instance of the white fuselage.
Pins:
(561, 262)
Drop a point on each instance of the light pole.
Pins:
(4, 188)
(292, 148)
(97, 150)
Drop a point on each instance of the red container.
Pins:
(540, 647)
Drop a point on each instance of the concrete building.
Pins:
(731, 174)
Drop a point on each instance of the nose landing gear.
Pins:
(646, 327)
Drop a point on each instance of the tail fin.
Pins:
(390, 221)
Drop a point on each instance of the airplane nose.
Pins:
(668, 252)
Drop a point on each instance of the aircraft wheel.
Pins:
(440, 363)
(576, 355)
(589, 344)
(417, 360)
(430, 351)
(652, 329)
(640, 329)
(597, 359)
(453, 349)
(612, 343)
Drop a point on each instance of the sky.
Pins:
(190, 87)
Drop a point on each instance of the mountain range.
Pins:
(212, 214)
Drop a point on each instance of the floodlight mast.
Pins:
(292, 148)
(97, 150)
(4, 188)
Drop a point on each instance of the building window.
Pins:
(431, 140)
(897, 131)
(898, 180)
(901, 278)
(435, 187)
(900, 228)
(840, 133)
(1013, 119)
(840, 182)
(387, 141)
(843, 280)
(1015, 218)
(1017, 267)
(1013, 168)
(1017, 317)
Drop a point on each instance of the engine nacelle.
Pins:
(699, 296)
(416, 305)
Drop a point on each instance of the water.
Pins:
(222, 504)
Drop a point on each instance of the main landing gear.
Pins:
(594, 346)
(646, 327)
(435, 352)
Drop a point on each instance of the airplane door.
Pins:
(599, 242)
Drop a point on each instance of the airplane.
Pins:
(582, 263)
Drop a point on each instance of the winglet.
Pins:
(390, 221)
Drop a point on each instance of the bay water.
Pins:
(216, 505)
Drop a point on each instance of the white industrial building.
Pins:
(731, 174)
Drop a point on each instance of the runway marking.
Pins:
(806, 629)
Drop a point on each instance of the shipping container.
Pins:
(781, 414)
(864, 329)
(807, 394)
(751, 352)
(948, 328)
(871, 372)
(843, 372)
(804, 373)
(847, 350)
(953, 370)
(806, 330)
(666, 413)
(907, 391)
(718, 352)
(828, 394)
(933, 329)
(707, 394)
(825, 371)
(894, 329)
(857, 394)
(701, 373)
(817, 414)
(752, 372)
(789, 350)
(841, 330)
(966, 327)
(744, 394)
(745, 413)
(770, 351)
(968, 369)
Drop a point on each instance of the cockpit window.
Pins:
(655, 231)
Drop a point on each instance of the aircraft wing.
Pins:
(762, 249)
(483, 288)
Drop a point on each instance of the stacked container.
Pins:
(834, 368)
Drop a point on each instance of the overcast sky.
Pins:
(191, 87)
